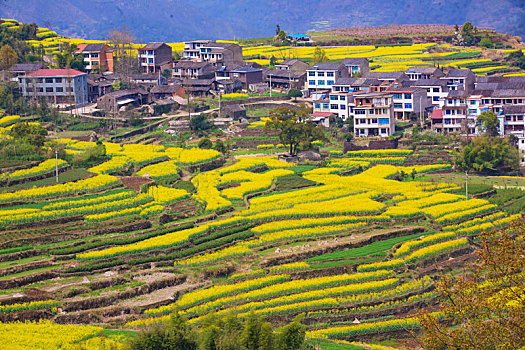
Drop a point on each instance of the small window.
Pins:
(329, 74)
(311, 82)
(58, 80)
(60, 89)
(408, 105)
(320, 74)
(408, 96)
(49, 89)
(311, 74)
(49, 80)
(333, 97)
(320, 82)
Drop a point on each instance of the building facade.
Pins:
(373, 115)
(59, 86)
(155, 57)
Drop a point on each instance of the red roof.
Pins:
(55, 73)
(437, 114)
(321, 114)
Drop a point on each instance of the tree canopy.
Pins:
(484, 308)
(295, 127)
(319, 55)
(488, 123)
(488, 155)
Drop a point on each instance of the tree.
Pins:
(166, 73)
(200, 123)
(488, 123)
(295, 93)
(294, 126)
(176, 334)
(486, 42)
(205, 143)
(282, 36)
(292, 335)
(124, 55)
(266, 338)
(467, 33)
(219, 146)
(8, 58)
(319, 55)
(516, 58)
(273, 60)
(68, 58)
(480, 315)
(33, 134)
(487, 155)
(251, 333)
(277, 29)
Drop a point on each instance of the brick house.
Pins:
(155, 57)
(247, 75)
(98, 57)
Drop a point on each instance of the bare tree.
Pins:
(124, 55)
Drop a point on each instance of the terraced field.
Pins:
(355, 245)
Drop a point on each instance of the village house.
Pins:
(373, 114)
(98, 57)
(247, 75)
(356, 65)
(218, 54)
(114, 101)
(193, 70)
(292, 64)
(63, 87)
(164, 91)
(155, 57)
(421, 72)
(321, 76)
(284, 79)
(22, 69)
(409, 102)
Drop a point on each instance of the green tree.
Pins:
(282, 36)
(68, 58)
(488, 123)
(166, 73)
(294, 126)
(200, 123)
(266, 338)
(487, 155)
(176, 334)
(277, 29)
(292, 335)
(219, 146)
(477, 315)
(273, 60)
(8, 58)
(251, 333)
(295, 93)
(486, 42)
(319, 55)
(33, 134)
(205, 143)
(467, 33)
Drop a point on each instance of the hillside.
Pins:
(176, 20)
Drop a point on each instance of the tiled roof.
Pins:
(152, 46)
(55, 73)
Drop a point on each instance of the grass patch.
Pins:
(9, 163)
(504, 196)
(67, 176)
(28, 272)
(292, 181)
(367, 250)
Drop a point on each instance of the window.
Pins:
(58, 80)
(408, 96)
(49, 89)
(448, 111)
(49, 80)
(311, 74)
(325, 106)
(447, 121)
(330, 82)
(95, 63)
(374, 121)
(86, 55)
(408, 105)
(333, 106)
(435, 98)
(60, 89)
(435, 89)
(311, 82)
(320, 82)
(329, 74)
(150, 60)
(398, 96)
(384, 121)
(149, 52)
(40, 80)
(40, 89)
(357, 122)
(317, 105)
(371, 111)
(472, 111)
(320, 74)
(398, 105)
(428, 90)
(342, 98)
(359, 111)
(472, 102)
(94, 55)
(333, 97)
(342, 106)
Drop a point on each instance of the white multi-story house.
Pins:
(460, 79)
(455, 114)
(155, 57)
(437, 90)
(420, 72)
(218, 54)
(409, 102)
(373, 114)
(321, 76)
(58, 86)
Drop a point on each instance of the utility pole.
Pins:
(270, 84)
(466, 185)
(56, 163)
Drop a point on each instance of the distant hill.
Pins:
(176, 20)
